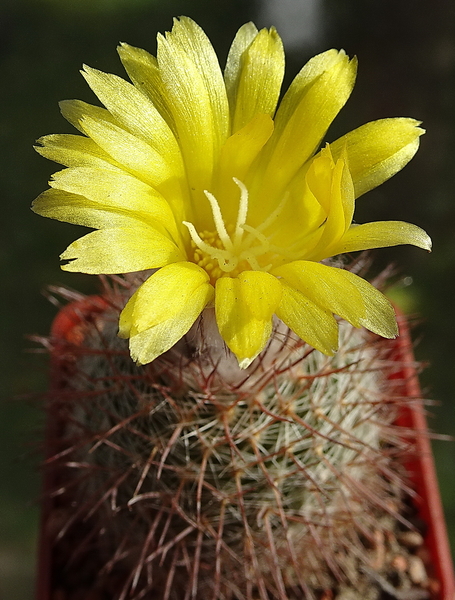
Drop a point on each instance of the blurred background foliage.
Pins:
(406, 53)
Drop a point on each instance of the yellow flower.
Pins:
(202, 178)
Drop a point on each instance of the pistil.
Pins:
(238, 247)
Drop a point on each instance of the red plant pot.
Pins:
(67, 334)
(421, 467)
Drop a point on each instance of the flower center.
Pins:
(207, 260)
(229, 250)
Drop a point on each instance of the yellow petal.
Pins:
(147, 345)
(143, 70)
(327, 287)
(133, 153)
(258, 81)
(242, 147)
(75, 110)
(319, 178)
(378, 150)
(72, 208)
(196, 112)
(297, 226)
(120, 250)
(261, 293)
(332, 186)
(379, 234)
(159, 166)
(309, 321)
(163, 309)
(303, 81)
(75, 151)
(135, 112)
(379, 313)
(242, 40)
(117, 190)
(126, 326)
(166, 294)
(244, 307)
(237, 155)
(313, 105)
(194, 42)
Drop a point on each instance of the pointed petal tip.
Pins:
(245, 362)
(424, 241)
(414, 125)
(390, 336)
(411, 121)
(35, 206)
(67, 267)
(416, 236)
(325, 350)
(388, 328)
(342, 55)
(331, 352)
(393, 332)
(89, 73)
(135, 356)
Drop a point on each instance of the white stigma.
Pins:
(219, 223)
(243, 211)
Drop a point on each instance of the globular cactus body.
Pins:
(189, 478)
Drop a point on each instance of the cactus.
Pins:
(189, 478)
(239, 461)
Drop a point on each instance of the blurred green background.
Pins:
(406, 52)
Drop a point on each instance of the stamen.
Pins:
(268, 221)
(243, 211)
(226, 260)
(250, 253)
(259, 236)
(255, 265)
(219, 223)
(274, 214)
(217, 253)
(265, 246)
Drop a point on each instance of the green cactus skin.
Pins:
(190, 479)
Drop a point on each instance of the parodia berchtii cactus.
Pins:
(243, 446)
(191, 478)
